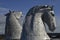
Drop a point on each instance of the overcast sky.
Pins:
(24, 6)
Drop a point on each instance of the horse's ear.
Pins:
(52, 7)
(9, 11)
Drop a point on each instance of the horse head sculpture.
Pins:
(33, 27)
(49, 18)
(13, 28)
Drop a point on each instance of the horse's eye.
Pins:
(52, 14)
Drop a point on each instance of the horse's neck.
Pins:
(37, 31)
(34, 25)
(38, 25)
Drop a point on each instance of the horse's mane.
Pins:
(36, 8)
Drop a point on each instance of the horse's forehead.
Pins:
(17, 13)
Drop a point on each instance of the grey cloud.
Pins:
(3, 10)
(2, 24)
